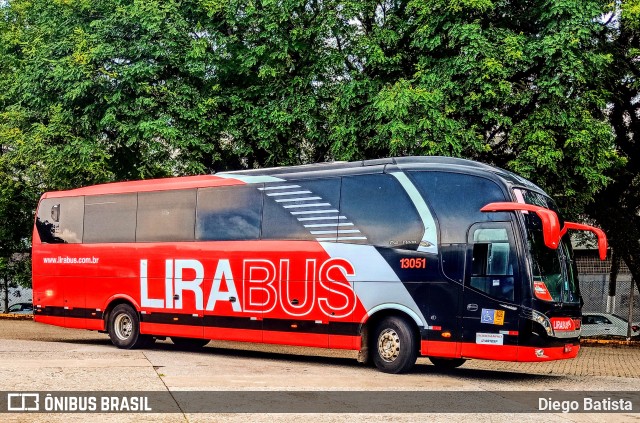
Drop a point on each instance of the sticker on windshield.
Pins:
(541, 291)
(493, 317)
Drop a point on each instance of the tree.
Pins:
(505, 83)
(16, 203)
(134, 89)
(139, 89)
(617, 207)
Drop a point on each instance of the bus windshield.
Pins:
(554, 268)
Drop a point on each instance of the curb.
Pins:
(16, 316)
(603, 342)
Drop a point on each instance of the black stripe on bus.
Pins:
(76, 312)
(279, 325)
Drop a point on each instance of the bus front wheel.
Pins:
(124, 328)
(394, 348)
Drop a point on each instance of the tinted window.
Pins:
(493, 262)
(453, 256)
(110, 218)
(166, 216)
(301, 210)
(229, 213)
(457, 199)
(378, 211)
(59, 220)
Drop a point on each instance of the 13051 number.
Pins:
(413, 263)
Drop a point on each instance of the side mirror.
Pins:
(551, 225)
(602, 238)
(550, 221)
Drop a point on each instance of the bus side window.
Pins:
(492, 267)
(166, 216)
(381, 213)
(59, 220)
(110, 218)
(229, 213)
(456, 199)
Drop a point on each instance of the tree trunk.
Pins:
(613, 277)
(5, 288)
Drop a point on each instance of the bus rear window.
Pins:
(59, 220)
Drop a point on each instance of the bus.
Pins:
(395, 258)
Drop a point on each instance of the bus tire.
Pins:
(189, 343)
(394, 347)
(447, 363)
(124, 328)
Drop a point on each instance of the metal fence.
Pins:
(599, 307)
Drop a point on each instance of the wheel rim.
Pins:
(389, 345)
(123, 326)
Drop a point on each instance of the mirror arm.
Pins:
(602, 238)
(550, 222)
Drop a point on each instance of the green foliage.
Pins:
(113, 89)
(617, 207)
(507, 84)
(503, 84)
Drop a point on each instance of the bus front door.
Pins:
(489, 310)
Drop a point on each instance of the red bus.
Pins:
(445, 258)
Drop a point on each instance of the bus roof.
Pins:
(400, 163)
(162, 184)
(276, 174)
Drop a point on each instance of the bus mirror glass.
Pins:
(550, 221)
(55, 213)
(602, 238)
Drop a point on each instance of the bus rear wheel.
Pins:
(189, 343)
(124, 328)
(394, 346)
(447, 363)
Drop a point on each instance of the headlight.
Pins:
(543, 320)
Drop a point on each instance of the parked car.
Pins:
(597, 324)
(21, 308)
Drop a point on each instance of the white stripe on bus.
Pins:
(301, 219)
(273, 194)
(315, 211)
(283, 200)
(326, 225)
(279, 187)
(307, 205)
